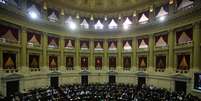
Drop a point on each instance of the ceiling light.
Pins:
(33, 15)
(72, 25)
(162, 18)
(125, 26)
(33, 12)
(105, 18)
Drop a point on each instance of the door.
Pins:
(54, 82)
(12, 87)
(141, 81)
(180, 86)
(112, 79)
(84, 79)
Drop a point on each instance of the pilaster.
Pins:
(62, 54)
(119, 49)
(23, 59)
(1, 59)
(170, 51)
(45, 58)
(134, 54)
(91, 62)
(23, 4)
(77, 48)
(105, 47)
(172, 8)
(196, 43)
(151, 53)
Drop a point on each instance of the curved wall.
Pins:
(40, 77)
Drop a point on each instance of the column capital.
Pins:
(197, 23)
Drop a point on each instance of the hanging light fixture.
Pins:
(77, 16)
(171, 2)
(134, 13)
(62, 11)
(151, 9)
(91, 18)
(45, 5)
(119, 17)
(105, 18)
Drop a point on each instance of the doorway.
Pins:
(180, 86)
(112, 79)
(54, 82)
(84, 80)
(141, 81)
(12, 87)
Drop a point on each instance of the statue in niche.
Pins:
(127, 62)
(52, 17)
(112, 62)
(142, 63)
(34, 63)
(69, 45)
(98, 46)
(161, 42)
(84, 62)
(53, 63)
(98, 63)
(52, 44)
(183, 64)
(161, 64)
(69, 62)
(34, 41)
(184, 38)
(9, 37)
(84, 46)
(112, 46)
(143, 44)
(9, 63)
(127, 46)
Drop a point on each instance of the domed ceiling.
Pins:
(97, 7)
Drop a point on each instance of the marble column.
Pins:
(196, 43)
(1, 59)
(119, 55)
(105, 60)
(62, 66)
(151, 53)
(91, 58)
(45, 57)
(23, 57)
(170, 51)
(134, 54)
(77, 51)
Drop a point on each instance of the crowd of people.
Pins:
(101, 92)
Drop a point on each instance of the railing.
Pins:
(34, 69)
(53, 69)
(112, 68)
(10, 70)
(69, 68)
